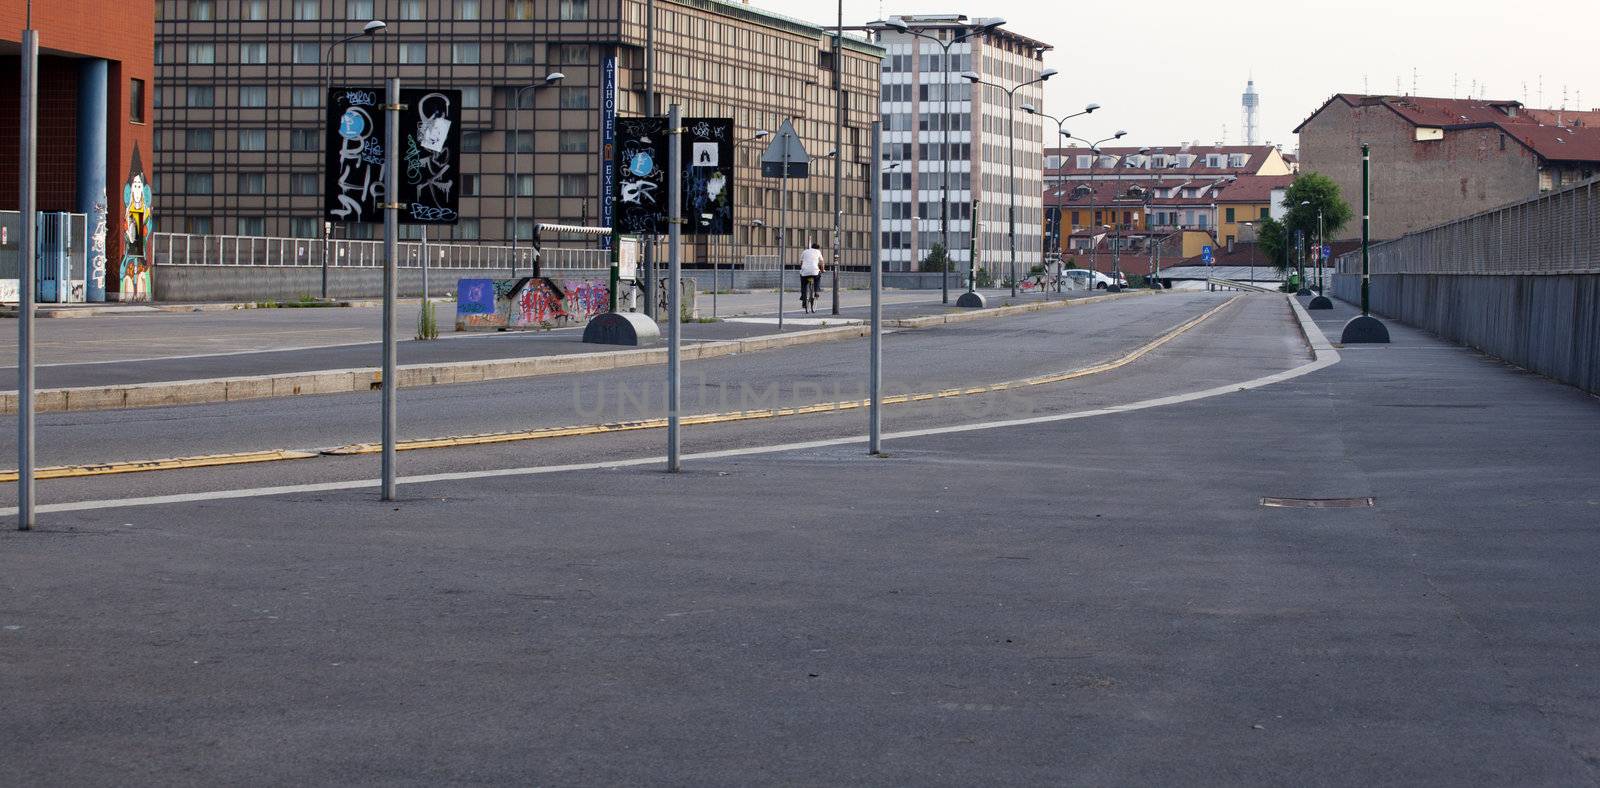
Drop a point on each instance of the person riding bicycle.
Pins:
(810, 276)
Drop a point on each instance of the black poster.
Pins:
(708, 176)
(353, 191)
(640, 161)
(430, 156)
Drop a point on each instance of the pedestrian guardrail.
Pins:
(184, 249)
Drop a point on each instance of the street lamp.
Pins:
(899, 26)
(371, 28)
(1060, 129)
(1011, 106)
(552, 78)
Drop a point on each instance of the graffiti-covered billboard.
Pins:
(353, 156)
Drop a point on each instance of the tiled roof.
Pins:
(1254, 188)
(1256, 156)
(1527, 126)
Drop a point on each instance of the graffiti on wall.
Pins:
(97, 245)
(528, 303)
(138, 223)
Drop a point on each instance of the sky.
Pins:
(1172, 72)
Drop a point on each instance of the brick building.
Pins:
(94, 136)
(1437, 159)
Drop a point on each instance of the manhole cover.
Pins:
(1318, 503)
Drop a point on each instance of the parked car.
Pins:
(1077, 278)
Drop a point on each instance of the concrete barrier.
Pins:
(1549, 324)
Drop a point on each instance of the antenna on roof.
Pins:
(1524, 91)
(1413, 80)
(1541, 91)
(1455, 86)
(1563, 98)
(1364, 89)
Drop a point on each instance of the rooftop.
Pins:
(1535, 129)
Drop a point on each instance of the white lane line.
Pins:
(1323, 352)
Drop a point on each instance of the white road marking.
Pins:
(1324, 356)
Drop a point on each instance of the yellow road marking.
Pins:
(241, 458)
(174, 463)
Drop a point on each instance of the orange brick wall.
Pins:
(120, 31)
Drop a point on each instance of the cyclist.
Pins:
(810, 276)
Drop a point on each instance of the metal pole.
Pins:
(649, 256)
(972, 254)
(838, 154)
(391, 227)
(674, 270)
(1011, 101)
(944, 171)
(27, 255)
(783, 228)
(424, 265)
(1322, 241)
(516, 165)
(875, 362)
(1366, 223)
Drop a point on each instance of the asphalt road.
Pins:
(1087, 601)
(965, 354)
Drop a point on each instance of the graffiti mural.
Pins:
(528, 303)
(139, 223)
(97, 247)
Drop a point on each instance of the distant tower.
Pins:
(1251, 102)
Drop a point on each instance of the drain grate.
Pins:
(1318, 503)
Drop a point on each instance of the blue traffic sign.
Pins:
(1205, 254)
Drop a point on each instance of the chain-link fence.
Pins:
(1556, 233)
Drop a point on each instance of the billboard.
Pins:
(430, 156)
(353, 156)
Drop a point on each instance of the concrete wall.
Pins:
(1414, 184)
(1549, 324)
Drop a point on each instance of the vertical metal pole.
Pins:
(783, 228)
(972, 254)
(838, 155)
(322, 170)
(648, 258)
(391, 227)
(424, 265)
(27, 254)
(1011, 97)
(674, 271)
(875, 364)
(516, 165)
(944, 175)
(1366, 223)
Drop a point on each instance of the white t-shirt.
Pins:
(811, 262)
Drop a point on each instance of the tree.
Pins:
(938, 259)
(1322, 193)
(1273, 238)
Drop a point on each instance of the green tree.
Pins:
(938, 259)
(1273, 238)
(1322, 194)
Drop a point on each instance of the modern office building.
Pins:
(976, 124)
(242, 84)
(93, 141)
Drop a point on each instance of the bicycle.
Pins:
(808, 292)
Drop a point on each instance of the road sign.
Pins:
(354, 154)
(786, 148)
(430, 156)
(708, 176)
(1205, 254)
(1327, 252)
(639, 163)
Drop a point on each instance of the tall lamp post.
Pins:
(372, 28)
(1060, 129)
(900, 26)
(1320, 300)
(552, 78)
(1094, 150)
(1011, 108)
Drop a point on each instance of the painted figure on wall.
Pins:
(139, 223)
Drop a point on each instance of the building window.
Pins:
(303, 183)
(1266, 213)
(574, 54)
(358, 9)
(471, 98)
(199, 183)
(306, 53)
(413, 54)
(303, 227)
(136, 101)
(252, 183)
(469, 185)
(465, 54)
(519, 53)
(521, 10)
(523, 228)
(305, 96)
(303, 139)
(202, 54)
(358, 52)
(198, 140)
(252, 225)
(519, 141)
(574, 185)
(307, 10)
(467, 10)
(253, 95)
(255, 10)
(254, 140)
(575, 9)
(202, 10)
(467, 230)
(574, 142)
(471, 141)
(411, 9)
(253, 53)
(520, 185)
(574, 97)
(200, 225)
(201, 96)
(1229, 214)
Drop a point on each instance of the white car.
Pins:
(1079, 278)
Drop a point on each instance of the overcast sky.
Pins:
(1171, 71)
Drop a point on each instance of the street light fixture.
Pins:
(1011, 106)
(988, 25)
(371, 28)
(551, 78)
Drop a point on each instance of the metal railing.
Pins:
(244, 250)
(1555, 233)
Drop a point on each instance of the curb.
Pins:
(208, 391)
